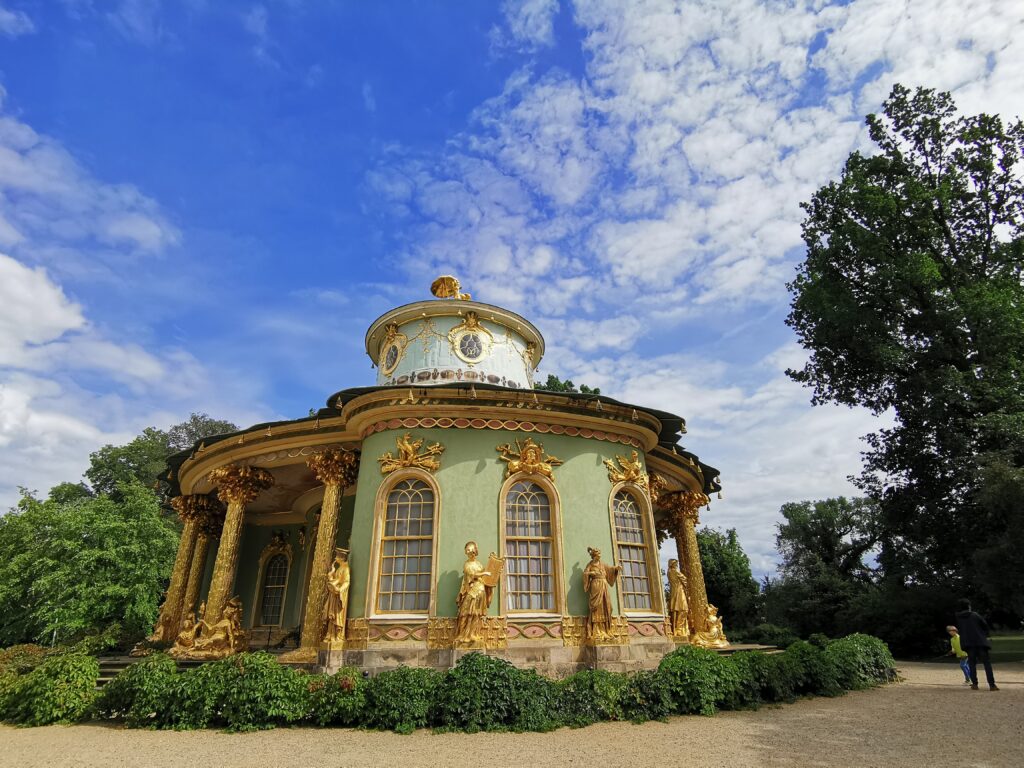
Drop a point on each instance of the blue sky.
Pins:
(204, 204)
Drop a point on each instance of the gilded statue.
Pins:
(528, 457)
(678, 608)
(714, 635)
(214, 641)
(598, 578)
(336, 602)
(474, 597)
(409, 455)
(448, 287)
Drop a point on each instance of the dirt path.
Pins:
(928, 720)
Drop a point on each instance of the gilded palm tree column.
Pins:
(236, 487)
(210, 523)
(685, 506)
(336, 470)
(170, 612)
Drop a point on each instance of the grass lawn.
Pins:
(1008, 647)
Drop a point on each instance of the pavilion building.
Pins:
(371, 502)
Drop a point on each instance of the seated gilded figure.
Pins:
(598, 578)
(217, 640)
(713, 636)
(474, 597)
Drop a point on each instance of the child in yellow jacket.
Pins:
(960, 653)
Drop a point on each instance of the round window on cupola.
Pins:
(471, 346)
(391, 353)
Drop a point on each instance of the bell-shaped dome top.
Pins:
(453, 339)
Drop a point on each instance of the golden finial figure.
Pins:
(448, 287)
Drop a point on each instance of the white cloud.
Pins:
(369, 100)
(138, 20)
(529, 25)
(15, 23)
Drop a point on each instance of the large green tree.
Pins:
(727, 576)
(911, 302)
(145, 457)
(75, 566)
(826, 571)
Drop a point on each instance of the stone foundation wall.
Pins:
(553, 659)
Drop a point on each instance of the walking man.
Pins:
(974, 633)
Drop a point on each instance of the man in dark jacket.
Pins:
(974, 639)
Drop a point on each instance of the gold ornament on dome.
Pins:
(469, 340)
(628, 471)
(448, 287)
(528, 458)
(392, 349)
(409, 455)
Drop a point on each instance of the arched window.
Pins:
(275, 577)
(529, 541)
(632, 553)
(407, 543)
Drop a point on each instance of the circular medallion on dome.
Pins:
(390, 359)
(471, 346)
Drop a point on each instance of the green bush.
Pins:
(337, 699)
(590, 696)
(140, 692)
(260, 692)
(400, 699)
(19, 659)
(818, 639)
(814, 673)
(698, 680)
(646, 696)
(861, 661)
(60, 690)
(484, 693)
(245, 692)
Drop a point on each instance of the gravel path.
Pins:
(928, 720)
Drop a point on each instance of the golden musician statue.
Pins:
(678, 608)
(474, 597)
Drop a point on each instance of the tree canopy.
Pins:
(145, 457)
(555, 384)
(75, 566)
(910, 301)
(727, 576)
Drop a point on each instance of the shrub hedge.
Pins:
(481, 693)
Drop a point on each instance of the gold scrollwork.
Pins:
(409, 455)
(629, 470)
(528, 458)
(574, 632)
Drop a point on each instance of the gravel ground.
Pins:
(931, 718)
